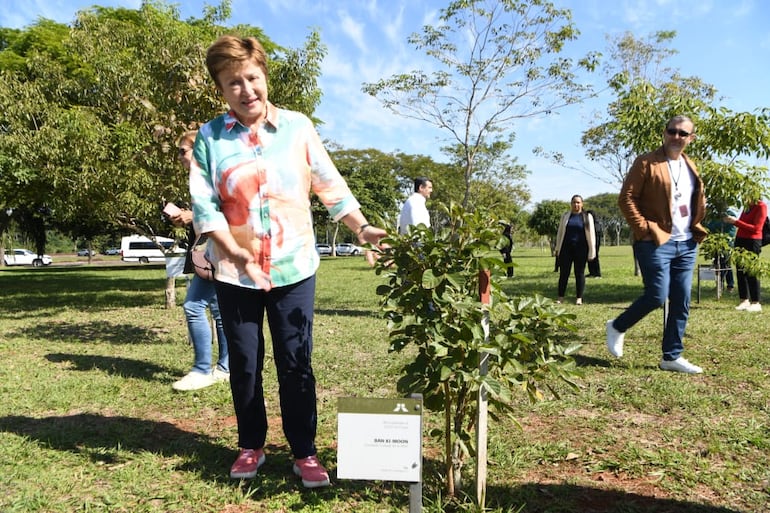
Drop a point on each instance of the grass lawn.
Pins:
(89, 422)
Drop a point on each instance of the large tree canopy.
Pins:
(89, 113)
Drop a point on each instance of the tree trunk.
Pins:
(334, 238)
(457, 466)
(170, 293)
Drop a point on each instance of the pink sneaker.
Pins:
(247, 463)
(311, 471)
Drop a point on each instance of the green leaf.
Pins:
(430, 280)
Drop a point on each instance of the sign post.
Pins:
(482, 419)
(381, 439)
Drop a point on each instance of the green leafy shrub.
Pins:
(431, 300)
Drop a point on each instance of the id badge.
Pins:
(683, 211)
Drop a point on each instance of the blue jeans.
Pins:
(201, 295)
(289, 312)
(667, 272)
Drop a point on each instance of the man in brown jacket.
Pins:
(663, 202)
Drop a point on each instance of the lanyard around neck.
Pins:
(678, 194)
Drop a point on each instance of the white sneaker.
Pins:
(614, 340)
(220, 375)
(679, 365)
(754, 307)
(193, 381)
(744, 305)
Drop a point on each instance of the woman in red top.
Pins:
(749, 236)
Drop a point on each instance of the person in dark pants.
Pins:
(251, 175)
(594, 269)
(749, 237)
(722, 262)
(507, 249)
(575, 246)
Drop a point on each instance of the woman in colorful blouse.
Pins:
(251, 177)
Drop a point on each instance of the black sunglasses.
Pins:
(183, 151)
(681, 133)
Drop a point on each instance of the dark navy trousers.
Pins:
(290, 319)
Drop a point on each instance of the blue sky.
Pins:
(724, 42)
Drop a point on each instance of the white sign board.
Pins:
(174, 266)
(379, 439)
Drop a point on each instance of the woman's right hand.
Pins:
(244, 259)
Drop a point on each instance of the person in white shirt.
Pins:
(414, 211)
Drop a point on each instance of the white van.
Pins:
(138, 248)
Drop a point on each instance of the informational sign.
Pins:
(379, 439)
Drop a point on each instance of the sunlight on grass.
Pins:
(90, 354)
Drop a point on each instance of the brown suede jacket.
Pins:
(645, 199)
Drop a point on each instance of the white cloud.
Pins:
(353, 29)
(393, 27)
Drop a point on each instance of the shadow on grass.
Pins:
(102, 288)
(590, 361)
(106, 440)
(98, 332)
(123, 367)
(533, 497)
(569, 498)
(605, 291)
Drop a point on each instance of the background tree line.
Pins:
(89, 113)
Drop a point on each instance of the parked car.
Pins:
(112, 251)
(84, 252)
(323, 249)
(348, 249)
(25, 257)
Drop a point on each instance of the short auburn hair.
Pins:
(187, 137)
(229, 51)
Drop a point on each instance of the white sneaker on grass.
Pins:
(679, 365)
(614, 340)
(744, 305)
(193, 381)
(220, 375)
(754, 307)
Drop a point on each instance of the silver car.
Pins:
(348, 249)
(323, 249)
